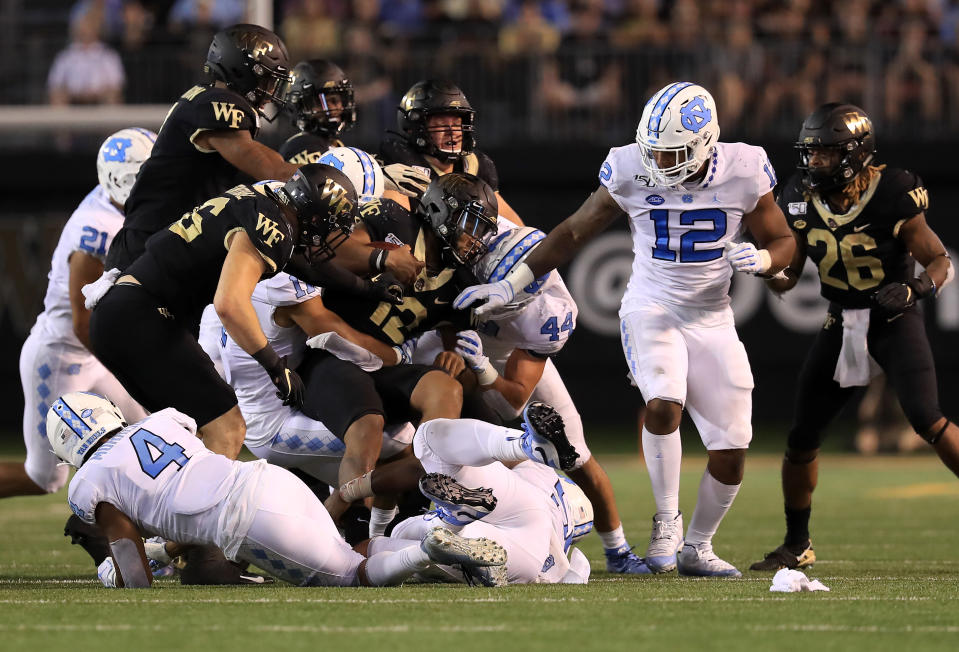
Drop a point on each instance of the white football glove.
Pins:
(496, 295)
(405, 179)
(93, 292)
(470, 346)
(107, 573)
(744, 257)
(343, 349)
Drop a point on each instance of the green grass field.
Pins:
(885, 530)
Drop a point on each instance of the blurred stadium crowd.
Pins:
(536, 69)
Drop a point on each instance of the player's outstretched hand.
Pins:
(495, 295)
(405, 179)
(744, 257)
(344, 349)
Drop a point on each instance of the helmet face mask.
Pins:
(461, 209)
(76, 422)
(430, 99)
(321, 98)
(252, 61)
(676, 133)
(325, 204)
(841, 133)
(119, 160)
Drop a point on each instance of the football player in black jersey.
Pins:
(436, 135)
(205, 144)
(449, 231)
(864, 226)
(320, 100)
(140, 327)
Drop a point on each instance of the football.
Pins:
(379, 244)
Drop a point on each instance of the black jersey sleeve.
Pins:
(907, 193)
(395, 149)
(385, 220)
(486, 170)
(218, 109)
(793, 202)
(303, 148)
(268, 230)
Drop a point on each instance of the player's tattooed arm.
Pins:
(84, 269)
(247, 155)
(928, 250)
(767, 224)
(562, 243)
(126, 547)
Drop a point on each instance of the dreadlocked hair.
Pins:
(854, 189)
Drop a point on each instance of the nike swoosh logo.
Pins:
(440, 303)
(857, 229)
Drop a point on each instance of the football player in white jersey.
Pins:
(520, 503)
(689, 199)
(510, 353)
(55, 358)
(156, 477)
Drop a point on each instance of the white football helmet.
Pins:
(679, 119)
(120, 158)
(77, 421)
(507, 250)
(361, 168)
(579, 509)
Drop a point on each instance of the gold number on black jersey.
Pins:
(190, 225)
(854, 262)
(393, 326)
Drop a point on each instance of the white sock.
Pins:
(389, 568)
(470, 442)
(713, 502)
(613, 540)
(386, 544)
(664, 454)
(380, 519)
(414, 528)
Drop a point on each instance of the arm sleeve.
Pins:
(270, 234)
(83, 497)
(609, 177)
(912, 197)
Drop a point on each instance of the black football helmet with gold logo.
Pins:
(321, 98)
(435, 97)
(845, 128)
(461, 209)
(326, 207)
(252, 61)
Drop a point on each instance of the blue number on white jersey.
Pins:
(88, 241)
(688, 253)
(143, 440)
(552, 328)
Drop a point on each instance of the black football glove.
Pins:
(895, 297)
(385, 287)
(289, 385)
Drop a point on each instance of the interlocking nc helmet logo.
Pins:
(694, 116)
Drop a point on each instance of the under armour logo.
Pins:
(694, 116)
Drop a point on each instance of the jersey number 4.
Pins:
(145, 443)
(688, 253)
(552, 328)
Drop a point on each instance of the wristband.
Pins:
(486, 375)
(520, 277)
(378, 260)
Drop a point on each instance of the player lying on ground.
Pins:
(155, 477)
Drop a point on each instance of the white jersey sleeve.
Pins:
(83, 497)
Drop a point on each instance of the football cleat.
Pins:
(624, 560)
(544, 437)
(785, 557)
(446, 547)
(665, 541)
(491, 576)
(700, 561)
(456, 504)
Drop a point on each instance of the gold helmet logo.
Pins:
(856, 123)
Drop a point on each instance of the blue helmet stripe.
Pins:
(71, 418)
(512, 257)
(368, 180)
(655, 118)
